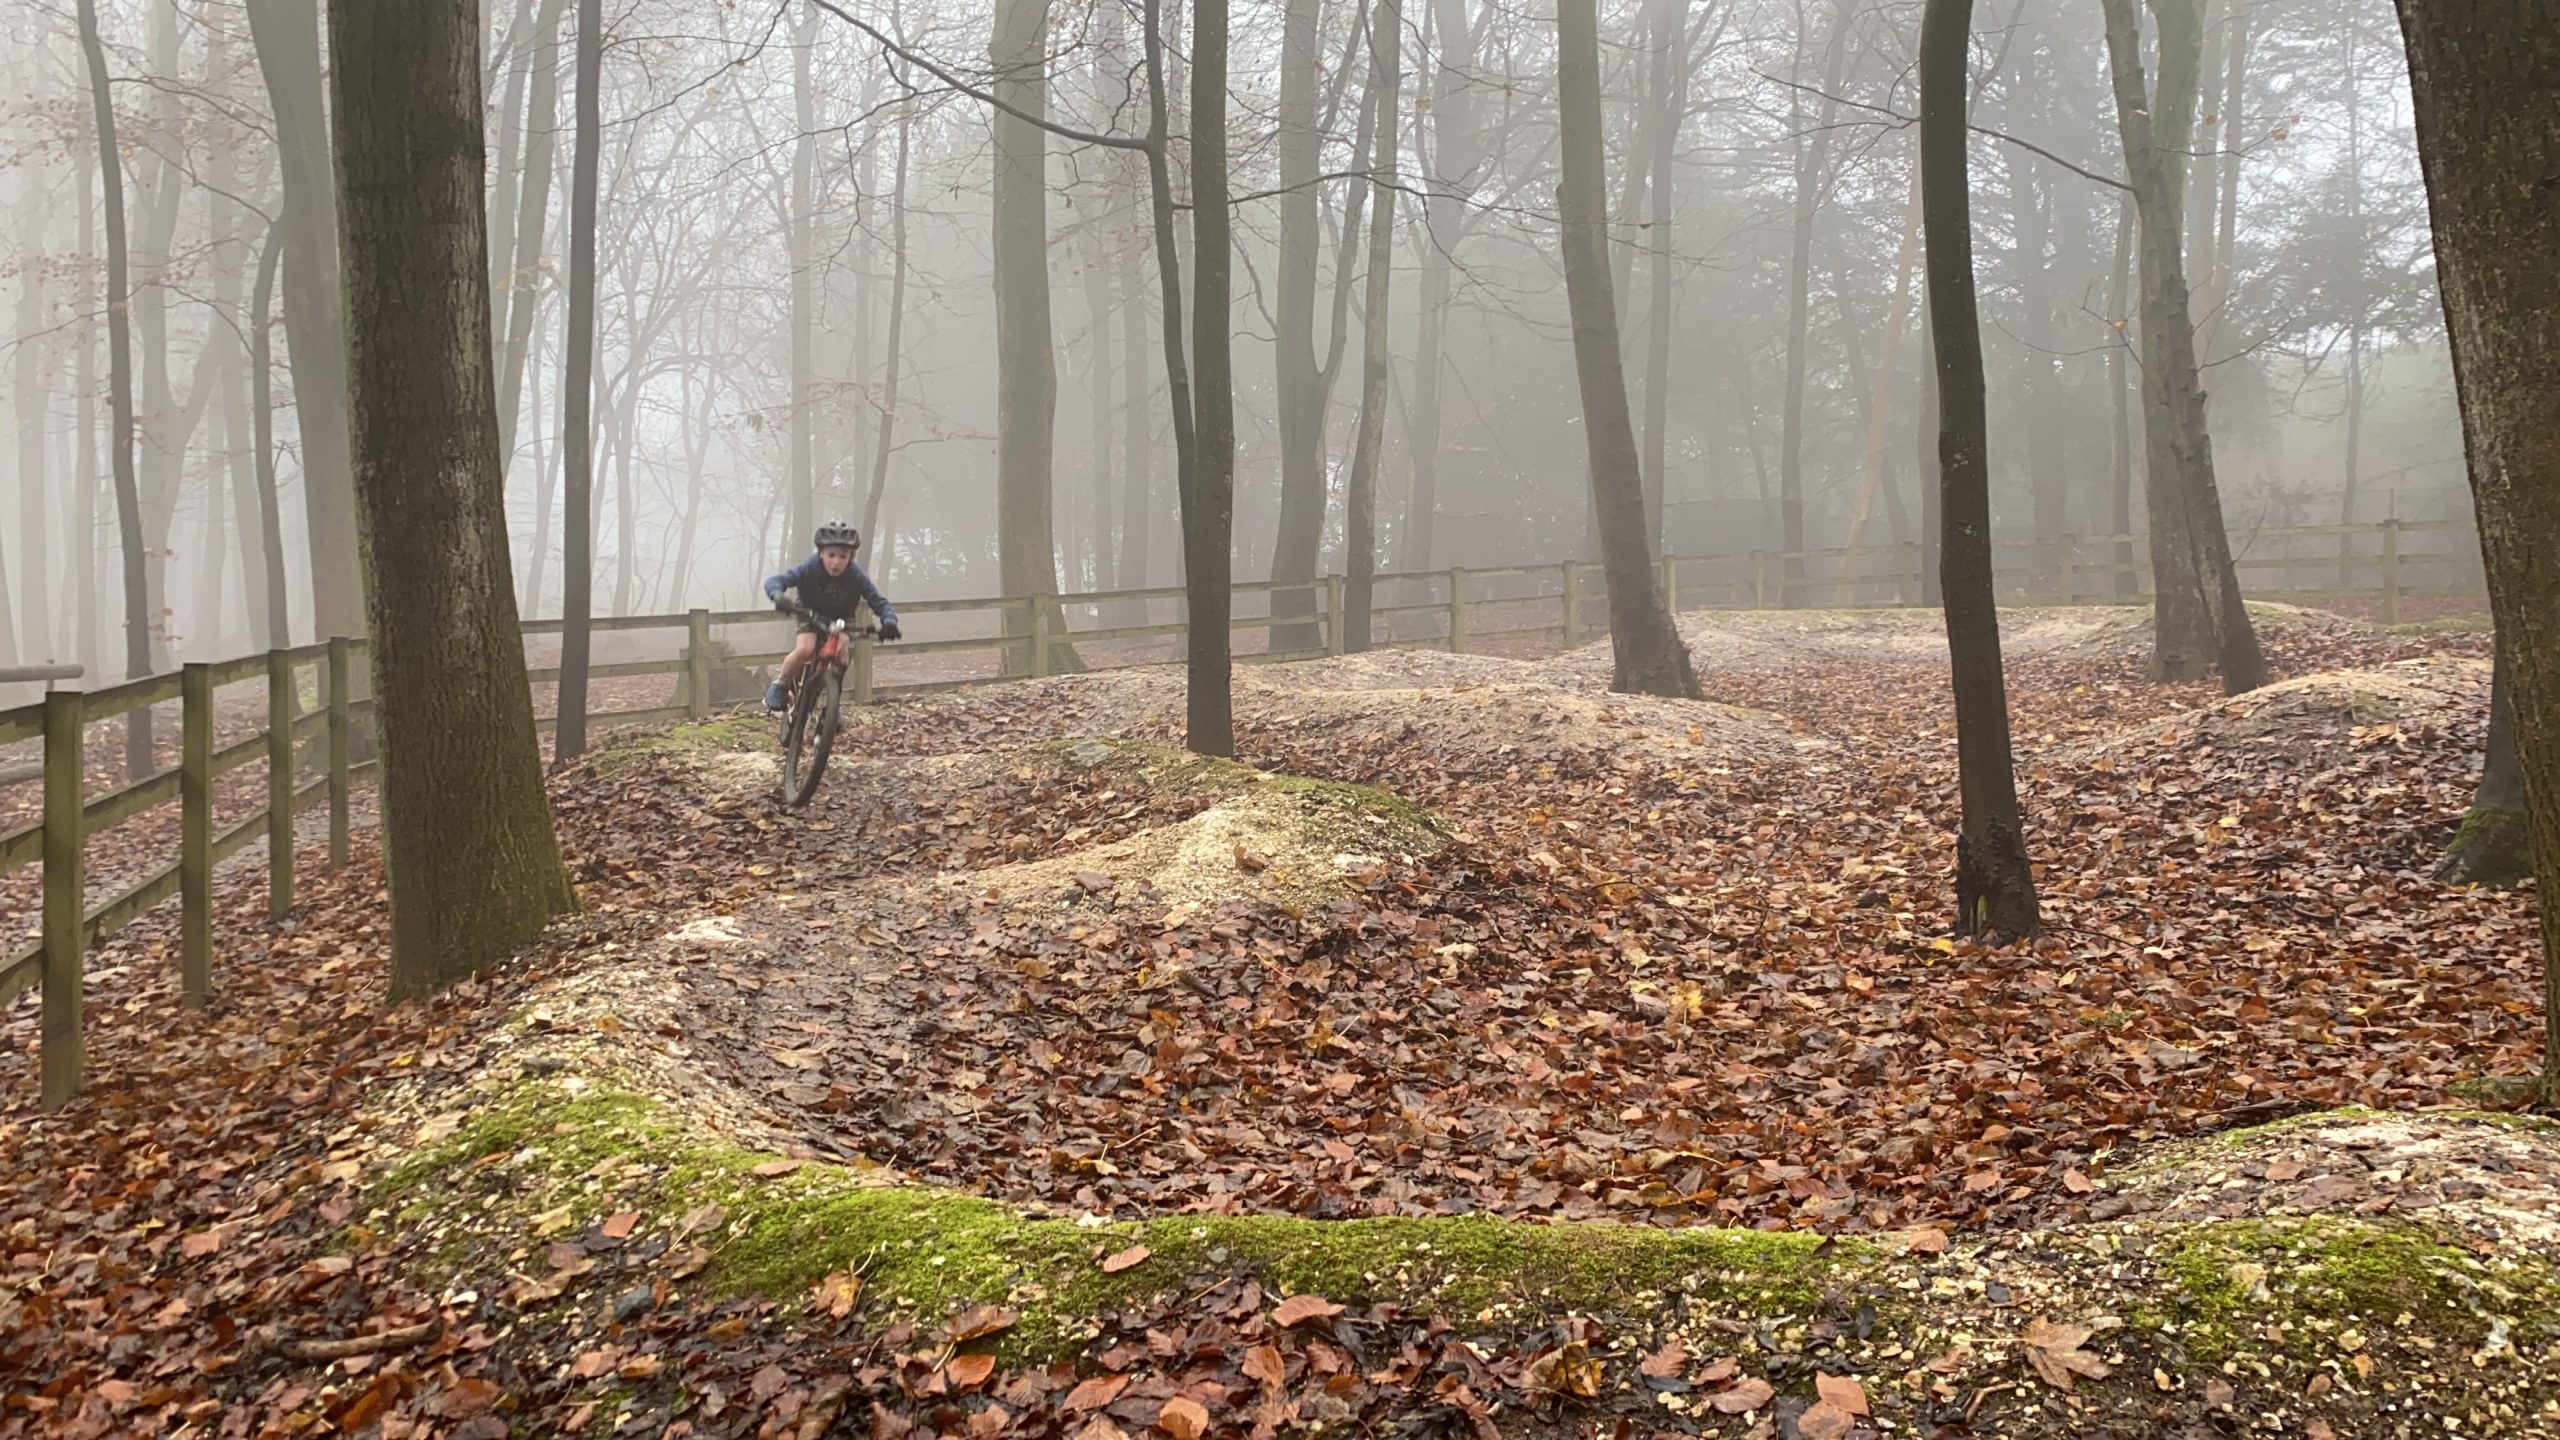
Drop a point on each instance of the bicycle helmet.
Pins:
(837, 532)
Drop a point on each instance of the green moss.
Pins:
(538, 1153)
(2235, 1283)
(1358, 798)
(2492, 848)
(2249, 1134)
(2445, 625)
(742, 733)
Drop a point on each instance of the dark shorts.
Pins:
(808, 627)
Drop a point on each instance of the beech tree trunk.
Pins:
(1026, 354)
(1813, 165)
(2120, 405)
(1295, 379)
(1209, 491)
(2484, 83)
(801, 511)
(2493, 847)
(577, 397)
(532, 218)
(474, 866)
(137, 598)
(1457, 150)
(1386, 77)
(262, 439)
(1670, 108)
(1651, 660)
(287, 33)
(893, 361)
(1995, 888)
(2198, 613)
(33, 403)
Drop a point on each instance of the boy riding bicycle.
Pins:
(831, 586)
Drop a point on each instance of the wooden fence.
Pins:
(1459, 609)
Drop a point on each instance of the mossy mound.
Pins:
(723, 736)
(543, 1160)
(2348, 1319)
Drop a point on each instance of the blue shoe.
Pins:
(773, 698)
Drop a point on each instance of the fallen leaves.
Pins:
(1302, 1309)
(1746, 1395)
(2054, 1350)
(1129, 1259)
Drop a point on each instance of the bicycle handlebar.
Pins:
(851, 632)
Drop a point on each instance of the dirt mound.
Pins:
(2493, 1179)
(2312, 716)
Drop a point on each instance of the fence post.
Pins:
(697, 664)
(1457, 610)
(1039, 635)
(1572, 604)
(1671, 583)
(195, 835)
(2068, 561)
(63, 897)
(2391, 572)
(1759, 579)
(279, 783)
(341, 714)
(863, 651)
(1911, 582)
(1333, 615)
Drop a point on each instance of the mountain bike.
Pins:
(813, 709)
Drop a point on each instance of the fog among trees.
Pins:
(813, 222)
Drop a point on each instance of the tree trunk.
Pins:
(1670, 107)
(2120, 404)
(2484, 83)
(1097, 300)
(474, 866)
(532, 219)
(1813, 165)
(1651, 660)
(160, 450)
(1888, 358)
(517, 54)
(287, 33)
(1386, 78)
(2048, 482)
(137, 600)
(2355, 293)
(1457, 146)
(262, 299)
(2493, 847)
(84, 444)
(2197, 609)
(1209, 490)
(1995, 889)
(1026, 355)
(1925, 430)
(34, 408)
(801, 513)
(893, 361)
(577, 395)
(1137, 441)
(1295, 381)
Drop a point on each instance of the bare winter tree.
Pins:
(1995, 889)
(2485, 84)
(1651, 658)
(577, 395)
(474, 866)
(137, 594)
(2198, 613)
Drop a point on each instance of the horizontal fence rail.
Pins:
(314, 721)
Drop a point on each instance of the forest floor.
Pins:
(1484, 1054)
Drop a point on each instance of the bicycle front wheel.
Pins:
(818, 733)
(801, 763)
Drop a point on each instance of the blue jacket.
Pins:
(833, 596)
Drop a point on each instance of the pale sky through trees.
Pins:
(2329, 276)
